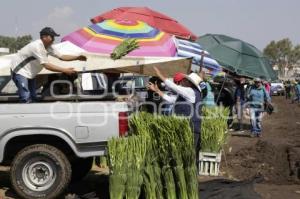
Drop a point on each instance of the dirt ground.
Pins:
(275, 157)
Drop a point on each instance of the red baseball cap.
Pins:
(178, 77)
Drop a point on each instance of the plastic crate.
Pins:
(209, 163)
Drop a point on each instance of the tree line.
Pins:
(14, 43)
(283, 54)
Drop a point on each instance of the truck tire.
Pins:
(80, 168)
(40, 171)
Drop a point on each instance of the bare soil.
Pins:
(275, 156)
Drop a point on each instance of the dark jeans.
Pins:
(240, 114)
(197, 142)
(197, 145)
(288, 95)
(26, 88)
(196, 126)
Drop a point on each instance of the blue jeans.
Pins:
(167, 109)
(297, 98)
(240, 114)
(26, 88)
(255, 119)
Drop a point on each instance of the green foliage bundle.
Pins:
(126, 158)
(214, 128)
(170, 167)
(124, 48)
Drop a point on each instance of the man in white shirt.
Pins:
(31, 60)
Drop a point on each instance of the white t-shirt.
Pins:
(186, 92)
(28, 61)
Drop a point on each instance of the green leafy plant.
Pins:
(170, 159)
(158, 156)
(124, 48)
(136, 151)
(117, 164)
(214, 128)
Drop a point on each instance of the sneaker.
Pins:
(252, 135)
(259, 135)
(240, 130)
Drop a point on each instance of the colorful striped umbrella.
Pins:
(105, 36)
(151, 17)
(192, 49)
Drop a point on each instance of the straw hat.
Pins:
(194, 79)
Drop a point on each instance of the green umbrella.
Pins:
(237, 56)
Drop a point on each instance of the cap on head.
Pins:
(257, 80)
(48, 31)
(178, 77)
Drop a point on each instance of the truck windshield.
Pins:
(137, 81)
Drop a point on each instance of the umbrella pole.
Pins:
(202, 60)
(222, 87)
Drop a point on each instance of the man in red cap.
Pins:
(31, 60)
(170, 98)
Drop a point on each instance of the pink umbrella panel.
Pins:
(105, 36)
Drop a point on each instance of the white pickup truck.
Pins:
(48, 144)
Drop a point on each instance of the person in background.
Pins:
(297, 92)
(256, 98)
(31, 60)
(267, 85)
(153, 100)
(207, 93)
(240, 99)
(288, 89)
(188, 102)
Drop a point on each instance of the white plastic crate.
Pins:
(209, 163)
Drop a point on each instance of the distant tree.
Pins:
(283, 54)
(15, 43)
(295, 55)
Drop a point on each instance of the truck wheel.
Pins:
(81, 167)
(40, 171)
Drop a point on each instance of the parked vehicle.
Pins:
(49, 143)
(277, 88)
(128, 84)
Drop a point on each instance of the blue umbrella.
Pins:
(192, 49)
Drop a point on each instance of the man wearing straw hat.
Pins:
(188, 102)
(31, 60)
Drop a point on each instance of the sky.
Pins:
(255, 21)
